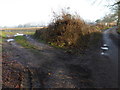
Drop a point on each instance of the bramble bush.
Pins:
(69, 31)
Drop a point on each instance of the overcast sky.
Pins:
(14, 12)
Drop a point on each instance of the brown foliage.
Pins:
(67, 31)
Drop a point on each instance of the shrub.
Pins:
(67, 31)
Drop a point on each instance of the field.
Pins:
(30, 28)
(12, 31)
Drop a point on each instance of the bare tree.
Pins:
(117, 3)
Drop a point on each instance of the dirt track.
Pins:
(48, 67)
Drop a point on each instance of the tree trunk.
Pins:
(119, 16)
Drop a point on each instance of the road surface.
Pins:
(105, 69)
(112, 39)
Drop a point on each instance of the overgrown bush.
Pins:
(68, 31)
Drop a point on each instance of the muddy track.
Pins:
(26, 79)
(47, 67)
(30, 79)
(69, 74)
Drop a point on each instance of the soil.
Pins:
(48, 67)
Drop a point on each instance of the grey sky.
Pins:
(14, 12)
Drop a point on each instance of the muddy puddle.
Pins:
(104, 49)
(10, 40)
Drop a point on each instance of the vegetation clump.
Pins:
(69, 32)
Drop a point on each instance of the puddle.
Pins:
(102, 53)
(10, 40)
(27, 36)
(14, 44)
(104, 48)
(18, 34)
(105, 45)
(7, 36)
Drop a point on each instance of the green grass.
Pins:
(0, 40)
(4, 34)
(22, 41)
(107, 28)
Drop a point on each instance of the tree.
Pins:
(118, 9)
(110, 18)
(98, 21)
(20, 26)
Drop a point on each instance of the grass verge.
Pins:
(22, 41)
